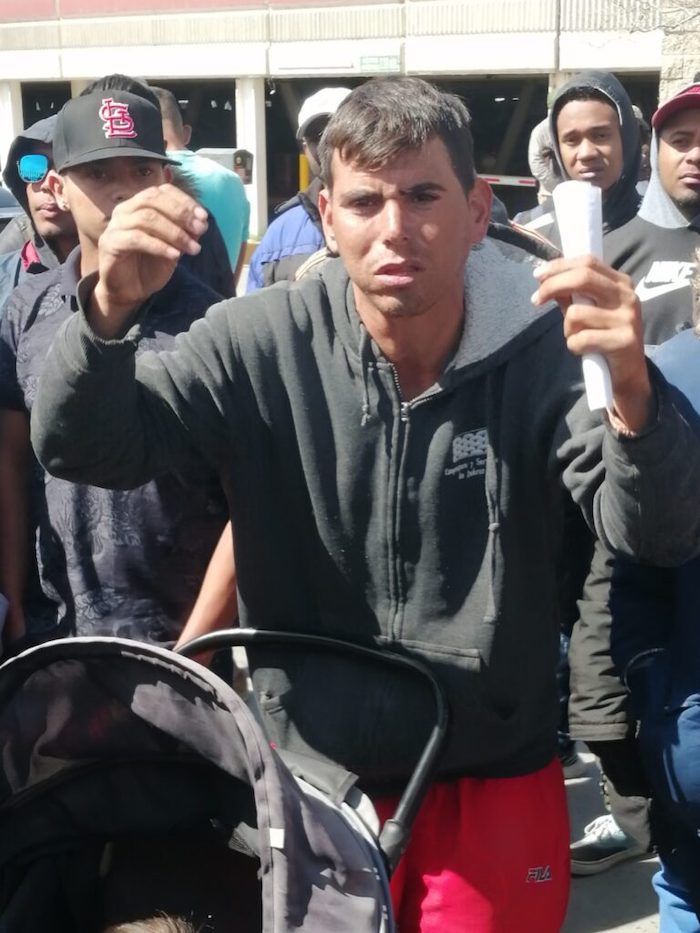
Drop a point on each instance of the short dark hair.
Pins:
(120, 82)
(169, 108)
(583, 93)
(387, 116)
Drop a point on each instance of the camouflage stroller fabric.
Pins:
(115, 752)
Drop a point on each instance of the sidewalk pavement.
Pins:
(620, 899)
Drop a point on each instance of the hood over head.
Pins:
(622, 200)
(41, 132)
(657, 206)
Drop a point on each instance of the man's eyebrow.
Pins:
(593, 127)
(423, 187)
(358, 192)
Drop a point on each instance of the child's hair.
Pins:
(163, 923)
(189, 882)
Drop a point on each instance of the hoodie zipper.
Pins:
(396, 581)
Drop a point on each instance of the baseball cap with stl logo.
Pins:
(107, 125)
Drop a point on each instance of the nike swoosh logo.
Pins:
(647, 292)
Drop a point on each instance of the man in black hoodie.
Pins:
(595, 136)
(54, 234)
(656, 249)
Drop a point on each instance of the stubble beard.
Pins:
(689, 204)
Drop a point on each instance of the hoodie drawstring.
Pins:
(366, 365)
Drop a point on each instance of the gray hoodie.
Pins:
(434, 527)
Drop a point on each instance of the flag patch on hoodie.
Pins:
(469, 454)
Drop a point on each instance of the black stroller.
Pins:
(133, 777)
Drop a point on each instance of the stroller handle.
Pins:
(396, 831)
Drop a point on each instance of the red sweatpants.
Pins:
(486, 856)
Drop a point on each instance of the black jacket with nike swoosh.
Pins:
(656, 249)
(660, 262)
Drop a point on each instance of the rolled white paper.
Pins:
(579, 210)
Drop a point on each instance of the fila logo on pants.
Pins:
(539, 874)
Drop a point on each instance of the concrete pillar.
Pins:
(250, 134)
(11, 116)
(557, 79)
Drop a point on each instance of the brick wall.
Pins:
(681, 45)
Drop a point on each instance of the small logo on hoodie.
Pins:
(664, 276)
(469, 454)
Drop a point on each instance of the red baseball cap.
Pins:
(685, 99)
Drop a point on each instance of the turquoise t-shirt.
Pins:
(221, 191)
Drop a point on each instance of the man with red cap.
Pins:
(656, 248)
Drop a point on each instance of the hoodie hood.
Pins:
(622, 200)
(493, 326)
(657, 205)
(40, 132)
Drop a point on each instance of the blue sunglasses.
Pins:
(33, 167)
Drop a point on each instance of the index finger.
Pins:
(583, 275)
(160, 213)
(173, 204)
(566, 264)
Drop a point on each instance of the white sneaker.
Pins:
(603, 845)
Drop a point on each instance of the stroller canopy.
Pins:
(104, 738)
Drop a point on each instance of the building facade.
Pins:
(243, 66)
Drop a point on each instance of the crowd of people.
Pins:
(390, 446)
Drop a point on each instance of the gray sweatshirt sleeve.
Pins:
(105, 417)
(102, 417)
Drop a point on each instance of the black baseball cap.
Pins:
(107, 125)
